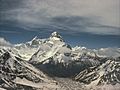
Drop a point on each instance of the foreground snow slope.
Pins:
(16, 73)
(107, 73)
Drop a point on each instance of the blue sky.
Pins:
(93, 24)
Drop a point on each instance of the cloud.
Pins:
(11, 32)
(3, 42)
(96, 16)
(83, 24)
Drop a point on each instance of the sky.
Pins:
(89, 23)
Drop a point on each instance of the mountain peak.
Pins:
(56, 36)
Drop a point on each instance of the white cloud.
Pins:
(103, 31)
(37, 12)
(3, 42)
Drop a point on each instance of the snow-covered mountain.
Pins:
(42, 49)
(18, 74)
(26, 62)
(108, 52)
(102, 52)
(106, 73)
(26, 50)
(56, 57)
(54, 47)
(39, 50)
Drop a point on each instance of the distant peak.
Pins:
(56, 34)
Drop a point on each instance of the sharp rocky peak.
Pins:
(56, 36)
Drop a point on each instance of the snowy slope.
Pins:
(54, 46)
(18, 74)
(106, 73)
(26, 50)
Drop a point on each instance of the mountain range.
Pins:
(52, 64)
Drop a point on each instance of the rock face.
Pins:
(106, 73)
(16, 74)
